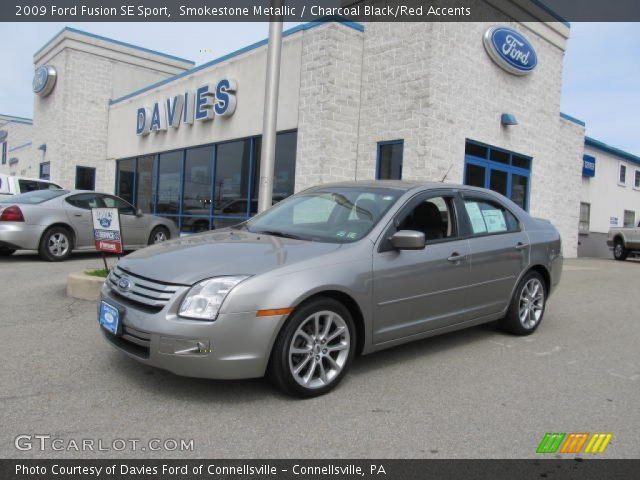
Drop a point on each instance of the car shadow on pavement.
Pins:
(29, 256)
(165, 383)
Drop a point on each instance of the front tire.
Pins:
(159, 235)
(56, 244)
(314, 349)
(527, 305)
(619, 252)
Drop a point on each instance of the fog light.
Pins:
(184, 347)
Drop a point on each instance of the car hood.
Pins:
(225, 252)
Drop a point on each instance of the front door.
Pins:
(78, 209)
(415, 291)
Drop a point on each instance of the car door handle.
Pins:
(77, 215)
(456, 257)
(521, 246)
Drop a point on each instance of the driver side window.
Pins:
(432, 216)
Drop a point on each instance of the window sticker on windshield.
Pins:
(341, 234)
(494, 220)
(475, 215)
(352, 235)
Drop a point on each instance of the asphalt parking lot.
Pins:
(474, 393)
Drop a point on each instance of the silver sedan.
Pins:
(57, 222)
(334, 271)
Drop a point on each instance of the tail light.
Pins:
(12, 214)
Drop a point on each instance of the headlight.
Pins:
(204, 299)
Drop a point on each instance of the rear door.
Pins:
(499, 251)
(78, 208)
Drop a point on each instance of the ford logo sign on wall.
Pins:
(510, 50)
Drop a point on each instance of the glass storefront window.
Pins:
(126, 178)
(232, 174)
(206, 187)
(145, 183)
(169, 183)
(285, 168)
(198, 174)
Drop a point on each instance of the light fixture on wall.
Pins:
(43, 147)
(507, 119)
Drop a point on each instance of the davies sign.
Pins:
(205, 103)
(510, 50)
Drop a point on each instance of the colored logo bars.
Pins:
(573, 442)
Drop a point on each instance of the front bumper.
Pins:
(20, 236)
(234, 346)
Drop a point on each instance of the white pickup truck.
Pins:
(624, 241)
(11, 185)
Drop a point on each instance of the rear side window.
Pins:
(86, 201)
(487, 217)
(28, 185)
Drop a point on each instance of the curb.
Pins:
(83, 286)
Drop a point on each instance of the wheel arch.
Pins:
(64, 225)
(350, 304)
(544, 272)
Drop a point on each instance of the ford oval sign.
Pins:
(510, 50)
(44, 79)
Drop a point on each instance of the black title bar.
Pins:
(318, 469)
(563, 11)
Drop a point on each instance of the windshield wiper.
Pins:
(276, 233)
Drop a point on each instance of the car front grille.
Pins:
(140, 290)
(134, 341)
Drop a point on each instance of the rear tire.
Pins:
(619, 252)
(314, 349)
(56, 244)
(527, 306)
(159, 235)
(6, 252)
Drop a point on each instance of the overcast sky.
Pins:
(601, 70)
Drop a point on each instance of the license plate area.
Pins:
(110, 318)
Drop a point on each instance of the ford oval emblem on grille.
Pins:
(124, 284)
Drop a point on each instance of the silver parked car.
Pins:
(56, 222)
(334, 271)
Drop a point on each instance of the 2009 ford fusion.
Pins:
(334, 271)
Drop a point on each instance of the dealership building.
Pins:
(475, 103)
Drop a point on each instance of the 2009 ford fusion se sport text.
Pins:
(331, 272)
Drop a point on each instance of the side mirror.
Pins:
(408, 240)
(139, 212)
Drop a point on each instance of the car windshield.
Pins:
(37, 196)
(335, 215)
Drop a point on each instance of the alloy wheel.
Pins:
(319, 349)
(58, 244)
(531, 303)
(618, 250)
(160, 236)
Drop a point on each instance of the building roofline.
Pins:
(542, 5)
(603, 147)
(305, 26)
(572, 119)
(13, 118)
(111, 40)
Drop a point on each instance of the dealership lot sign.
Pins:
(510, 50)
(106, 230)
(205, 103)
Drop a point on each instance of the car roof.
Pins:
(404, 185)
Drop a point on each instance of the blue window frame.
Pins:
(502, 171)
(389, 160)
